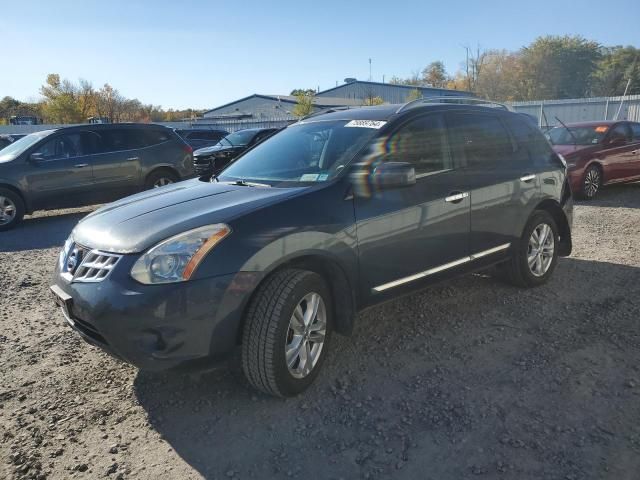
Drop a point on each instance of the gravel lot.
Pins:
(470, 379)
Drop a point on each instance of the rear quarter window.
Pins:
(154, 137)
(531, 142)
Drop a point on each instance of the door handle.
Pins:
(81, 165)
(132, 159)
(456, 197)
(527, 178)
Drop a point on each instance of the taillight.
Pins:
(187, 148)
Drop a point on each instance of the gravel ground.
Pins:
(469, 379)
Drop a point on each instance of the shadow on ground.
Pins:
(41, 231)
(468, 377)
(625, 196)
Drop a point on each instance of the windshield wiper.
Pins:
(243, 183)
(575, 140)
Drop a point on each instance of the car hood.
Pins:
(570, 150)
(138, 222)
(212, 149)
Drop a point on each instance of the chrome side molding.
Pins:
(440, 268)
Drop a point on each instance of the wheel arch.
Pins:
(161, 168)
(17, 191)
(344, 303)
(564, 229)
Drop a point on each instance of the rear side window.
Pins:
(119, 139)
(480, 138)
(154, 137)
(620, 130)
(206, 135)
(635, 130)
(423, 143)
(531, 143)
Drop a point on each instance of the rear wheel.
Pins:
(536, 253)
(11, 209)
(160, 178)
(286, 333)
(592, 182)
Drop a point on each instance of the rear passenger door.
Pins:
(635, 142)
(500, 179)
(116, 166)
(420, 231)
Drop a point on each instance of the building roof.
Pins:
(410, 87)
(318, 101)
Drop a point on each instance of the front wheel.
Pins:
(286, 333)
(535, 255)
(160, 178)
(592, 182)
(11, 209)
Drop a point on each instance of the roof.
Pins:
(318, 101)
(395, 85)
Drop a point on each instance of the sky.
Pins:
(202, 54)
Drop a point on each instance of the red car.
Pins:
(598, 153)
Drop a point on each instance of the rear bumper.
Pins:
(157, 327)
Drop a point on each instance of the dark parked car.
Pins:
(333, 214)
(212, 160)
(200, 138)
(8, 138)
(88, 164)
(598, 153)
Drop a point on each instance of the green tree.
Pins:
(304, 106)
(435, 74)
(414, 94)
(60, 103)
(558, 67)
(302, 91)
(373, 101)
(500, 77)
(613, 71)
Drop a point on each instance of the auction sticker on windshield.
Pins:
(366, 124)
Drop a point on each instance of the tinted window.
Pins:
(635, 129)
(620, 130)
(262, 135)
(531, 142)
(153, 137)
(115, 140)
(423, 143)
(68, 146)
(206, 135)
(480, 139)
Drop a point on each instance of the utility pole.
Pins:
(626, 89)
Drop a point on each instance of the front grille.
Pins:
(203, 165)
(89, 266)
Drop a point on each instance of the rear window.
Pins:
(206, 135)
(118, 139)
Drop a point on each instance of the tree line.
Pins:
(64, 101)
(551, 67)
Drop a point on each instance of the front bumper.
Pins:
(156, 327)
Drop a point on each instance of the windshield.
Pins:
(304, 152)
(581, 135)
(10, 152)
(240, 138)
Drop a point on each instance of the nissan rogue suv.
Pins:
(340, 211)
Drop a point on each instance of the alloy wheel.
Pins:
(7, 210)
(540, 250)
(161, 182)
(592, 182)
(306, 335)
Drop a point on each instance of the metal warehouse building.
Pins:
(276, 110)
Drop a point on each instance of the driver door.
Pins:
(62, 175)
(413, 233)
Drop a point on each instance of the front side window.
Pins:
(480, 138)
(423, 143)
(313, 151)
(65, 146)
(16, 148)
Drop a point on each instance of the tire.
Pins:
(270, 328)
(160, 178)
(517, 270)
(11, 209)
(591, 182)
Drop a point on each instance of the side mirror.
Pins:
(393, 175)
(36, 158)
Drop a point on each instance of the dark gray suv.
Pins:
(88, 164)
(335, 213)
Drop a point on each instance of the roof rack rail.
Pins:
(452, 99)
(328, 110)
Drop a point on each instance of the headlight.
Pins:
(178, 257)
(63, 253)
